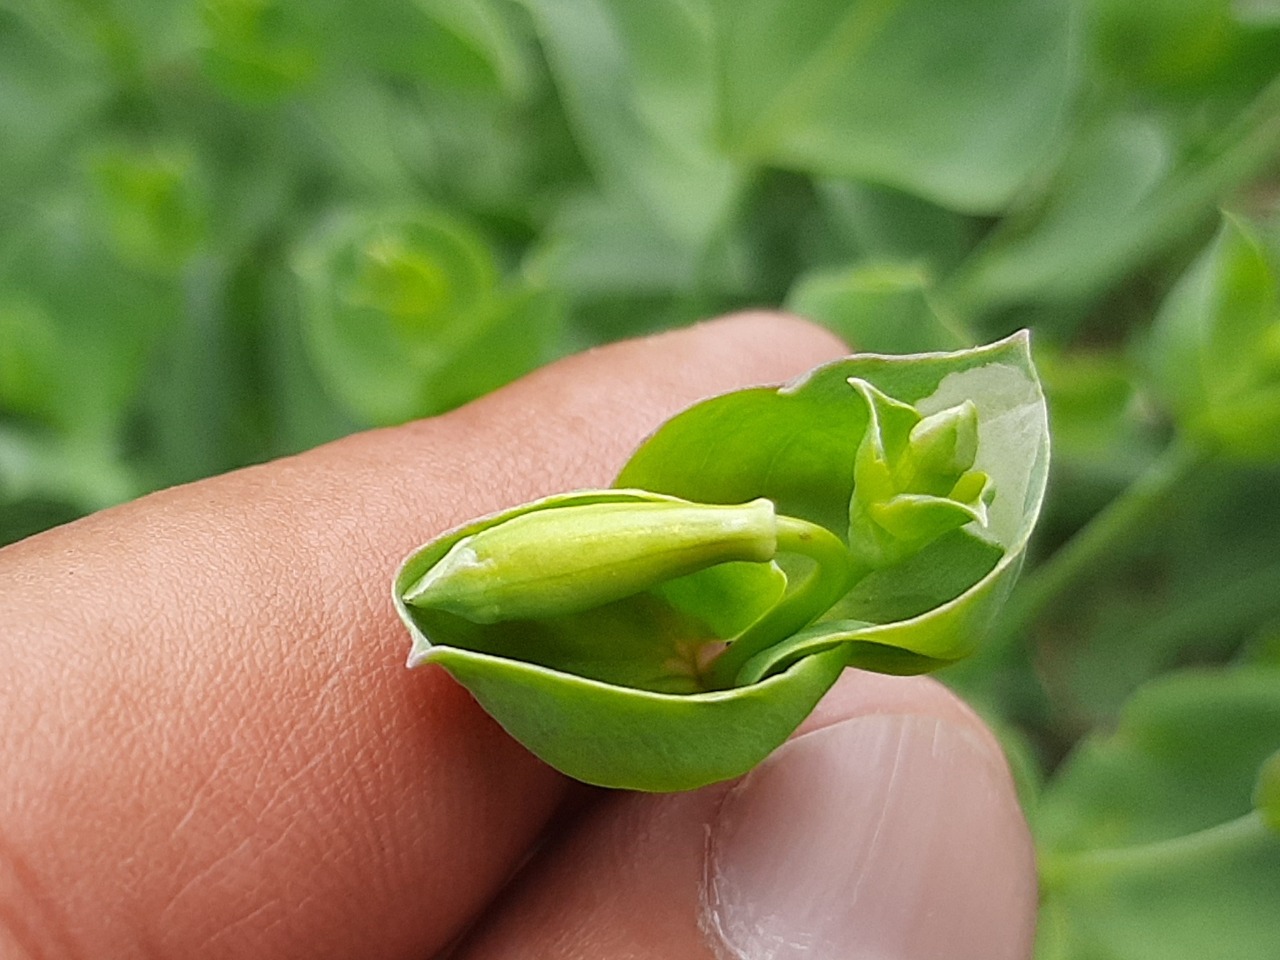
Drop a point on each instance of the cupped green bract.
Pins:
(655, 638)
(673, 631)
(613, 694)
(807, 451)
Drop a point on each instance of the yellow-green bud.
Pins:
(567, 559)
(941, 447)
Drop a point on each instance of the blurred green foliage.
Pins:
(233, 229)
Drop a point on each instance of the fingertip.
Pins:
(748, 348)
(879, 834)
(777, 335)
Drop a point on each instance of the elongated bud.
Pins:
(567, 559)
(941, 447)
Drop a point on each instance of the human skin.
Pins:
(210, 747)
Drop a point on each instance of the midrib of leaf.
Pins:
(1218, 843)
(796, 97)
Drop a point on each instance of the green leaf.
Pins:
(1150, 843)
(79, 324)
(1215, 347)
(880, 307)
(405, 314)
(638, 83)
(153, 202)
(1083, 231)
(1128, 185)
(51, 88)
(254, 49)
(638, 739)
(852, 89)
(1179, 48)
(38, 466)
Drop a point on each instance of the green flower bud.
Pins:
(568, 559)
(940, 448)
(913, 477)
(1266, 795)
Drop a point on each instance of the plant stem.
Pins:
(1200, 848)
(829, 580)
(1088, 549)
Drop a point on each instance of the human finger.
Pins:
(210, 745)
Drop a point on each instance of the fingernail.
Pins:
(887, 836)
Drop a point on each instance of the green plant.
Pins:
(192, 195)
(673, 631)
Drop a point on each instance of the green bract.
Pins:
(672, 631)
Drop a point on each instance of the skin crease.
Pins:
(209, 745)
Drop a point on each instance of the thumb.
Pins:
(885, 834)
(888, 827)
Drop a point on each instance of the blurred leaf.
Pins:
(853, 89)
(1262, 13)
(405, 314)
(1132, 181)
(489, 31)
(30, 356)
(596, 244)
(1191, 589)
(1266, 792)
(39, 467)
(1150, 844)
(1215, 347)
(880, 223)
(638, 83)
(253, 50)
(464, 45)
(48, 89)
(1096, 426)
(1162, 42)
(876, 307)
(261, 50)
(1176, 49)
(83, 322)
(153, 204)
(1066, 247)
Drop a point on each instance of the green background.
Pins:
(234, 229)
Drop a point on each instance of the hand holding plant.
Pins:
(250, 772)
